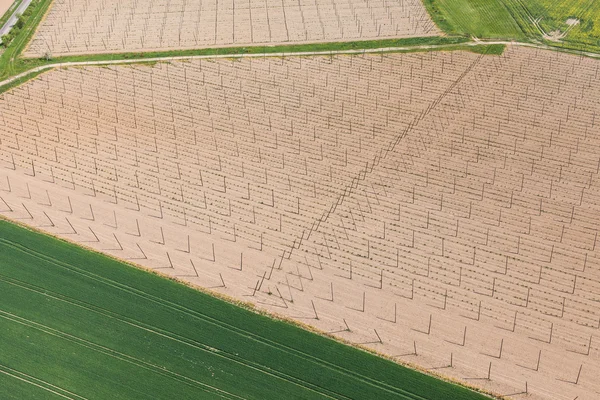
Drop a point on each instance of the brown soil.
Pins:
(5, 5)
(89, 26)
(434, 207)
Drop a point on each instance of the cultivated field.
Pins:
(438, 207)
(94, 328)
(90, 26)
(572, 23)
(576, 22)
(4, 6)
(480, 18)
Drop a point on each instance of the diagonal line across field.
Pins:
(39, 383)
(362, 174)
(115, 354)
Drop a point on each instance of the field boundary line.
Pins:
(42, 68)
(199, 315)
(192, 342)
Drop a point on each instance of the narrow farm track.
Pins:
(23, 76)
(14, 278)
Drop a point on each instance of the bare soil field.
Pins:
(5, 5)
(90, 26)
(440, 208)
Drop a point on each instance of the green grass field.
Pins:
(78, 324)
(480, 18)
(520, 20)
(553, 15)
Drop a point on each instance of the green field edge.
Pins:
(20, 81)
(21, 64)
(151, 58)
(271, 315)
(10, 58)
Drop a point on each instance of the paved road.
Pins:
(14, 17)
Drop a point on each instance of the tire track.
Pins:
(161, 370)
(13, 373)
(115, 354)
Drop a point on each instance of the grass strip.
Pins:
(24, 64)
(12, 63)
(20, 81)
(496, 49)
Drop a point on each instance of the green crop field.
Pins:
(521, 19)
(480, 18)
(553, 16)
(76, 324)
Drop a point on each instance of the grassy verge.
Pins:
(20, 81)
(9, 60)
(22, 21)
(24, 64)
(483, 48)
(490, 49)
(11, 64)
(92, 326)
